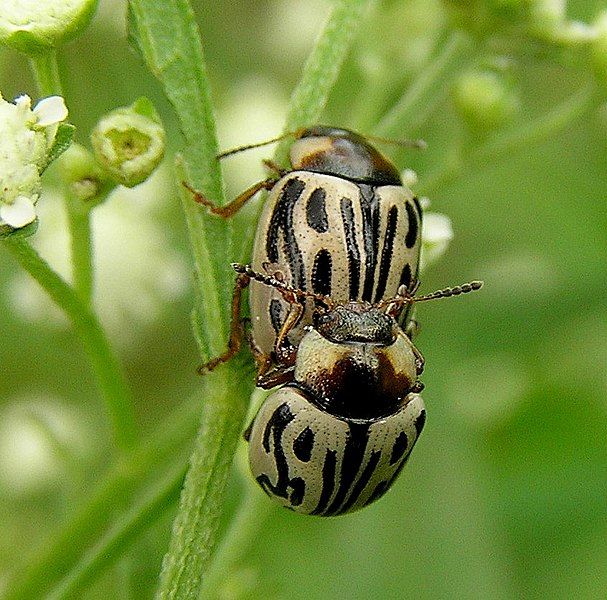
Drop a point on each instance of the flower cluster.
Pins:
(27, 139)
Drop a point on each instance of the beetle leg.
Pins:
(236, 328)
(416, 388)
(285, 354)
(412, 329)
(419, 360)
(277, 376)
(262, 360)
(275, 167)
(233, 207)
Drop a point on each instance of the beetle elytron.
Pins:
(333, 278)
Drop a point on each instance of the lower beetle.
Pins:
(335, 437)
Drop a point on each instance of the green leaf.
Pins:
(167, 36)
(62, 141)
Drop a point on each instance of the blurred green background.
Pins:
(506, 493)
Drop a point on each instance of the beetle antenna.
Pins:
(419, 144)
(464, 288)
(403, 296)
(291, 294)
(257, 145)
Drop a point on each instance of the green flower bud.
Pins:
(28, 140)
(86, 180)
(34, 27)
(129, 142)
(484, 100)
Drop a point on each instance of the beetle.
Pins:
(332, 282)
(335, 437)
(340, 223)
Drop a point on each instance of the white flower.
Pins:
(436, 235)
(26, 136)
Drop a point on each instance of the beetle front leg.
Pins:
(285, 353)
(236, 328)
(233, 207)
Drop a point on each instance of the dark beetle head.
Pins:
(342, 153)
(355, 322)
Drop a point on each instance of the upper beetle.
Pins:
(340, 223)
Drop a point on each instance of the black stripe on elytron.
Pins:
(276, 314)
(386, 253)
(363, 480)
(275, 427)
(303, 444)
(328, 482)
(282, 218)
(399, 447)
(420, 212)
(405, 277)
(419, 425)
(299, 490)
(347, 215)
(420, 422)
(322, 272)
(378, 492)
(411, 236)
(354, 453)
(369, 204)
(316, 211)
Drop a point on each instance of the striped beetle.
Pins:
(334, 270)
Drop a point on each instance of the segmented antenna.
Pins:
(280, 285)
(403, 296)
(464, 288)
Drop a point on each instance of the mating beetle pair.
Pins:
(333, 277)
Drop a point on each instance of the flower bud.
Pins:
(129, 142)
(86, 180)
(34, 27)
(484, 100)
(28, 145)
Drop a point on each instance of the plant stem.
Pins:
(46, 71)
(509, 141)
(195, 527)
(79, 220)
(253, 511)
(106, 368)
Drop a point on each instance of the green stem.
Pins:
(201, 503)
(253, 511)
(309, 98)
(60, 555)
(415, 105)
(79, 220)
(110, 378)
(115, 543)
(509, 141)
(46, 71)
